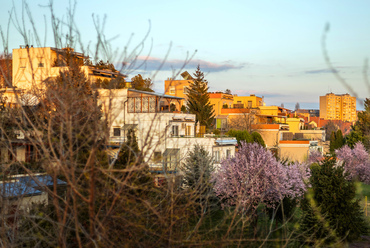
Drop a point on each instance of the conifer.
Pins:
(198, 100)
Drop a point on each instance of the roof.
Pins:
(26, 185)
(171, 152)
(156, 94)
(294, 142)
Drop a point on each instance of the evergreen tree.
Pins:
(197, 171)
(362, 126)
(332, 142)
(339, 140)
(330, 209)
(130, 152)
(336, 140)
(257, 138)
(354, 137)
(198, 100)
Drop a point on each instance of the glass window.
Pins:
(216, 156)
(116, 131)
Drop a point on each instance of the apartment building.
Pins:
(31, 66)
(251, 101)
(164, 136)
(338, 107)
(178, 88)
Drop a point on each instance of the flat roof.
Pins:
(156, 94)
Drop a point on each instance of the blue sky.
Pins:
(268, 48)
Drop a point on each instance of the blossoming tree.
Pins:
(356, 162)
(254, 176)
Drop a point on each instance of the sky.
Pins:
(273, 49)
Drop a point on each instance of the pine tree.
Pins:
(330, 210)
(332, 142)
(197, 171)
(130, 152)
(339, 139)
(198, 100)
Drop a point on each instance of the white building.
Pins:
(165, 137)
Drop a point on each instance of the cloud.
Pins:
(154, 64)
(265, 94)
(321, 71)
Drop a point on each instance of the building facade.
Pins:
(338, 107)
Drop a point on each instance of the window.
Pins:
(228, 153)
(172, 90)
(187, 130)
(157, 157)
(216, 156)
(249, 104)
(175, 130)
(116, 131)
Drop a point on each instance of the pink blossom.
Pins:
(315, 157)
(356, 162)
(254, 176)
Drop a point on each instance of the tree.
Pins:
(336, 140)
(329, 128)
(198, 100)
(254, 176)
(282, 105)
(257, 138)
(197, 170)
(129, 153)
(297, 106)
(243, 121)
(331, 212)
(139, 83)
(356, 162)
(241, 136)
(362, 125)
(354, 137)
(227, 91)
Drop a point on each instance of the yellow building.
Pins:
(251, 101)
(220, 100)
(32, 65)
(338, 107)
(295, 124)
(178, 88)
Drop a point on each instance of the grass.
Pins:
(363, 190)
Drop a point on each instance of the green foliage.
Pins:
(41, 229)
(198, 100)
(354, 136)
(246, 137)
(139, 83)
(197, 173)
(216, 132)
(336, 140)
(130, 153)
(361, 129)
(331, 212)
(183, 109)
(257, 138)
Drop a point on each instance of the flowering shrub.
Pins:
(315, 157)
(254, 176)
(356, 162)
(297, 176)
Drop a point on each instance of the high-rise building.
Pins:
(338, 107)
